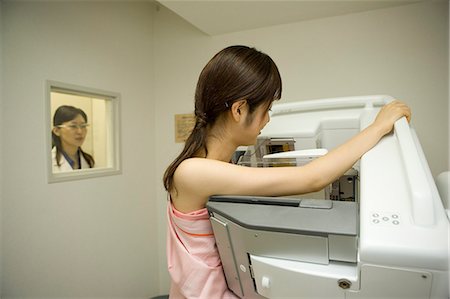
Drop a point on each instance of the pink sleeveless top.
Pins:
(193, 260)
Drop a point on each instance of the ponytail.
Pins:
(195, 143)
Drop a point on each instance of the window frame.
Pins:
(112, 127)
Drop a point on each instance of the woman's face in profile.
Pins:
(72, 133)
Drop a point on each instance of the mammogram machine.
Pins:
(379, 231)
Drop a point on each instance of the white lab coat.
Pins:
(64, 164)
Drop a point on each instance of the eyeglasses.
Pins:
(74, 126)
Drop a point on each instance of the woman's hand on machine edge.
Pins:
(389, 114)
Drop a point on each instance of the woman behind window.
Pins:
(68, 135)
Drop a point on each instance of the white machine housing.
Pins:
(395, 241)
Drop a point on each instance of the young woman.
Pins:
(68, 135)
(234, 94)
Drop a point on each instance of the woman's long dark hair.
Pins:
(64, 114)
(233, 74)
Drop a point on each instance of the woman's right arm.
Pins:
(197, 178)
(330, 167)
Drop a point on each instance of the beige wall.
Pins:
(400, 51)
(86, 238)
(1, 151)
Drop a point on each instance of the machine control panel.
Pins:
(385, 218)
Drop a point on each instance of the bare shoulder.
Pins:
(196, 166)
(194, 171)
(211, 177)
(195, 180)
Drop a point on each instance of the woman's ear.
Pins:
(55, 131)
(237, 109)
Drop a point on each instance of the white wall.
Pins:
(400, 51)
(1, 140)
(87, 238)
